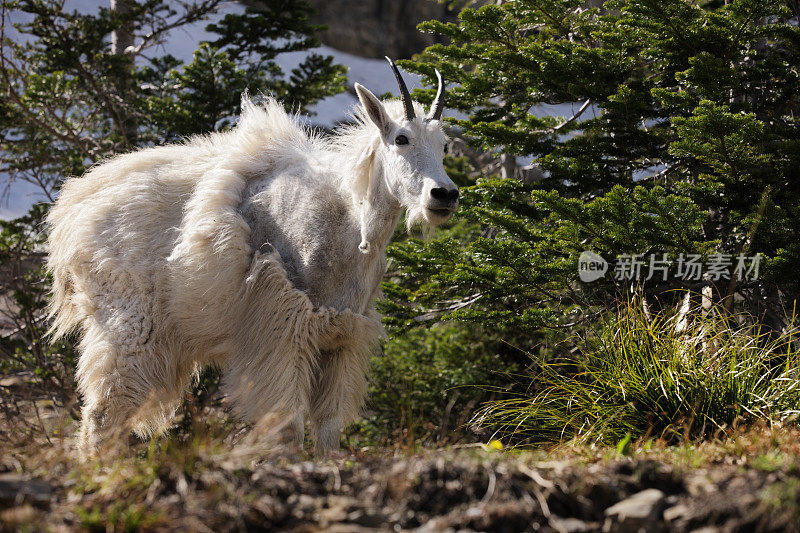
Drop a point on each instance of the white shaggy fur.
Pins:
(260, 249)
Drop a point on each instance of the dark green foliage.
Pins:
(279, 26)
(683, 139)
(25, 296)
(242, 58)
(211, 90)
(686, 118)
(423, 389)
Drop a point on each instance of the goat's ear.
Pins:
(375, 110)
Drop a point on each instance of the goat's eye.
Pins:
(401, 139)
(446, 149)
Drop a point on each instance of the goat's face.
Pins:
(412, 158)
(411, 153)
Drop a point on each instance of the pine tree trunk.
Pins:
(508, 166)
(122, 37)
(121, 40)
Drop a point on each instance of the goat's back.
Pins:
(167, 217)
(121, 216)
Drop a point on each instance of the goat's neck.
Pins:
(380, 211)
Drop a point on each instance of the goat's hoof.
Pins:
(328, 453)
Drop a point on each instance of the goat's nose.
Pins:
(443, 195)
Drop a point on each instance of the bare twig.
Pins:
(490, 488)
(191, 15)
(727, 302)
(453, 307)
(574, 117)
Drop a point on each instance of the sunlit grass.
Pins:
(638, 376)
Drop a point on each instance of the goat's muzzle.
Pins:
(443, 202)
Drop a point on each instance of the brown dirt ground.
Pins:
(213, 479)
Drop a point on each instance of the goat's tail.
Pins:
(62, 309)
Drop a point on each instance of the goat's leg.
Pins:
(110, 397)
(297, 431)
(125, 401)
(108, 402)
(269, 389)
(341, 381)
(271, 364)
(125, 385)
(337, 396)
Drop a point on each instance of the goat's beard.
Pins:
(415, 216)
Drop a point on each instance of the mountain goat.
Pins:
(259, 249)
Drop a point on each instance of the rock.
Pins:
(366, 518)
(14, 518)
(302, 506)
(437, 525)
(11, 381)
(332, 515)
(16, 489)
(347, 528)
(373, 28)
(640, 512)
(17, 379)
(569, 525)
(530, 174)
(267, 510)
(699, 484)
(675, 512)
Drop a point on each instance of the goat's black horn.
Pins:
(438, 104)
(408, 105)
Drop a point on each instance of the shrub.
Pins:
(638, 376)
(46, 368)
(426, 386)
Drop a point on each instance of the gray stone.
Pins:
(569, 525)
(675, 512)
(374, 28)
(16, 489)
(367, 518)
(640, 512)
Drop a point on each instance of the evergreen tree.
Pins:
(69, 99)
(684, 140)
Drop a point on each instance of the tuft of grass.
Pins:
(639, 376)
(118, 516)
(783, 500)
